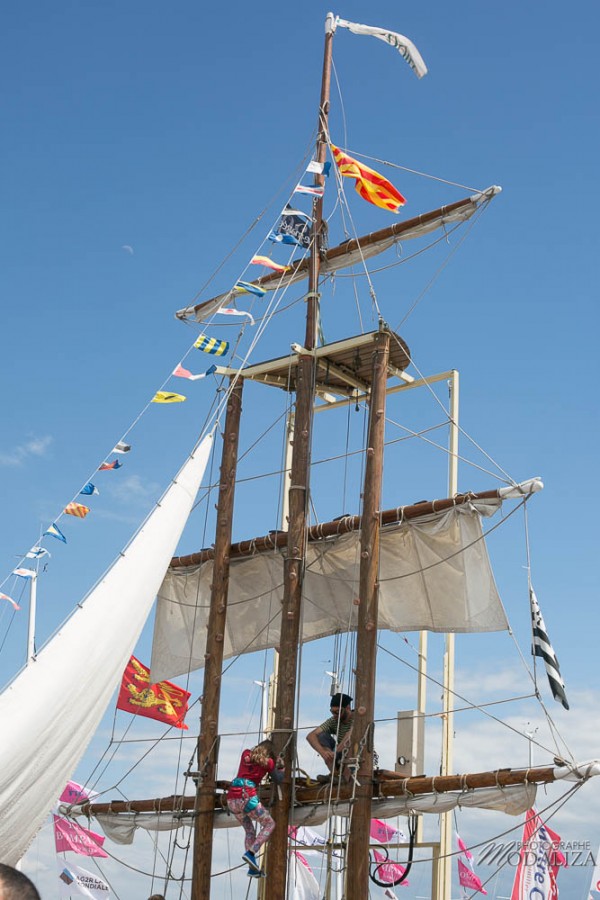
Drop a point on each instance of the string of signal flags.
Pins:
(292, 229)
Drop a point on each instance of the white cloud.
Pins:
(133, 489)
(36, 446)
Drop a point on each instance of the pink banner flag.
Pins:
(75, 793)
(70, 836)
(388, 872)
(10, 600)
(384, 833)
(467, 878)
(539, 861)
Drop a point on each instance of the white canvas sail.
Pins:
(51, 710)
(434, 574)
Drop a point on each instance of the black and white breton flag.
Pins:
(542, 647)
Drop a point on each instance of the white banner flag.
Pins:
(77, 882)
(403, 45)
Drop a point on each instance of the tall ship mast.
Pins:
(378, 563)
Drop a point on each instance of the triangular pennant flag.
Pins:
(180, 372)
(89, 489)
(10, 600)
(164, 701)
(113, 464)
(543, 648)
(55, 532)
(370, 185)
(76, 509)
(167, 397)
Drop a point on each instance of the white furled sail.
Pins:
(434, 575)
(50, 711)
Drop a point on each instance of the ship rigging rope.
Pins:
(509, 480)
(480, 707)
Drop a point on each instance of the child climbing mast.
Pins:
(245, 805)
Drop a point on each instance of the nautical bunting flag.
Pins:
(319, 168)
(370, 185)
(230, 311)
(211, 345)
(293, 228)
(543, 648)
(76, 509)
(10, 600)
(114, 464)
(36, 553)
(539, 861)
(24, 573)
(71, 836)
(89, 489)
(403, 45)
(122, 447)
(164, 701)
(55, 532)
(180, 372)
(167, 397)
(246, 287)
(268, 263)
(315, 190)
(77, 882)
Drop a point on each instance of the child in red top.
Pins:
(243, 801)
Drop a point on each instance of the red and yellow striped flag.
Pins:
(76, 509)
(371, 186)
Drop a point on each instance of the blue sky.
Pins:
(168, 130)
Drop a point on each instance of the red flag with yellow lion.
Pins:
(163, 701)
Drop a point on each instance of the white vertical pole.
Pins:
(445, 881)
(31, 621)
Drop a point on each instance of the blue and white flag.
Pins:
(293, 228)
(55, 532)
(318, 168)
(543, 648)
(37, 553)
(89, 489)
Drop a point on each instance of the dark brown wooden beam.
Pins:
(277, 539)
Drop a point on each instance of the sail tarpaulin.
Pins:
(51, 710)
(434, 575)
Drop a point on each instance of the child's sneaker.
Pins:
(253, 866)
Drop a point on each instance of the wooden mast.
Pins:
(285, 702)
(357, 872)
(208, 739)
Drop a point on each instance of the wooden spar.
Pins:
(208, 739)
(278, 539)
(385, 784)
(301, 268)
(293, 573)
(357, 873)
